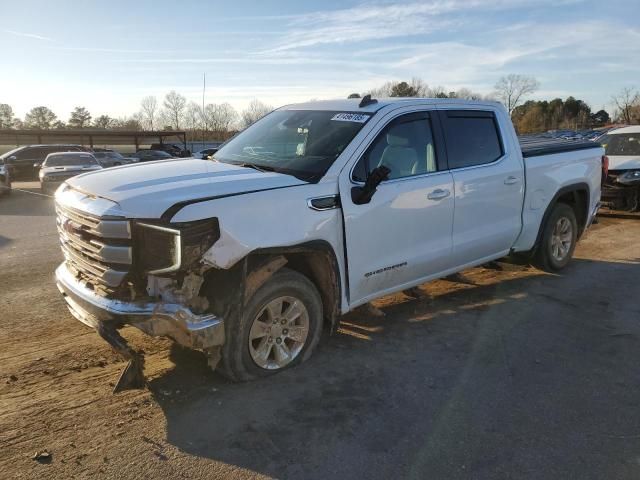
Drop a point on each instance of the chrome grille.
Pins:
(98, 250)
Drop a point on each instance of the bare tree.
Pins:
(438, 92)
(414, 88)
(174, 105)
(193, 119)
(511, 89)
(40, 118)
(6, 116)
(222, 117)
(625, 101)
(148, 112)
(465, 94)
(254, 112)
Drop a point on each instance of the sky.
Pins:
(108, 55)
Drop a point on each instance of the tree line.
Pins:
(175, 112)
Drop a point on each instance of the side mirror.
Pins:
(37, 165)
(362, 195)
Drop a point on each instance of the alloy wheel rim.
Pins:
(561, 239)
(278, 332)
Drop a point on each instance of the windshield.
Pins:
(621, 144)
(302, 143)
(69, 160)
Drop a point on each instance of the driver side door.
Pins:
(403, 235)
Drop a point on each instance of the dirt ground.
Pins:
(505, 373)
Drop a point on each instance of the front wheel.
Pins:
(280, 327)
(559, 239)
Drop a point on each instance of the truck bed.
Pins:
(534, 146)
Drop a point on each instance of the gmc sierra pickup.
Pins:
(312, 211)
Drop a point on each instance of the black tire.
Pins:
(544, 257)
(237, 363)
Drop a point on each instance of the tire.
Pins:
(240, 354)
(559, 238)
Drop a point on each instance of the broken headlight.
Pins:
(166, 248)
(629, 177)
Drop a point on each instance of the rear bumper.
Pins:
(154, 318)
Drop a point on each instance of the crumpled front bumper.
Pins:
(154, 318)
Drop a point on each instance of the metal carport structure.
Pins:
(91, 137)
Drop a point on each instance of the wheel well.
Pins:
(577, 197)
(316, 261)
(578, 200)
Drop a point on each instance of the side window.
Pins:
(405, 146)
(472, 138)
(24, 154)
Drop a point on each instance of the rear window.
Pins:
(621, 144)
(472, 138)
(69, 160)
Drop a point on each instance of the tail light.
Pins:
(605, 167)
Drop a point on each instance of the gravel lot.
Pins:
(508, 374)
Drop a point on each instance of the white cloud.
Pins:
(28, 35)
(376, 22)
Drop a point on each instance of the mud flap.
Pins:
(132, 377)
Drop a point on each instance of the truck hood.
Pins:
(147, 190)
(624, 162)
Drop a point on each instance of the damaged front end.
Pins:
(147, 274)
(621, 190)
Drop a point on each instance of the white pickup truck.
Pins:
(312, 211)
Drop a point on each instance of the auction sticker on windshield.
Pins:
(350, 117)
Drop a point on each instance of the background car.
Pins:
(24, 162)
(206, 153)
(58, 167)
(5, 180)
(621, 189)
(109, 158)
(172, 149)
(149, 155)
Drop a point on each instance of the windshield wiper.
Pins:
(260, 168)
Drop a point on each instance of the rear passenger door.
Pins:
(488, 178)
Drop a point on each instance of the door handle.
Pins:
(510, 180)
(438, 194)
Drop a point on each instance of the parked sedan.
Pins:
(112, 159)
(24, 162)
(58, 167)
(150, 155)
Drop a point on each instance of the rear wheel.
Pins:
(559, 239)
(281, 326)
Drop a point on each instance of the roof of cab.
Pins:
(352, 104)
